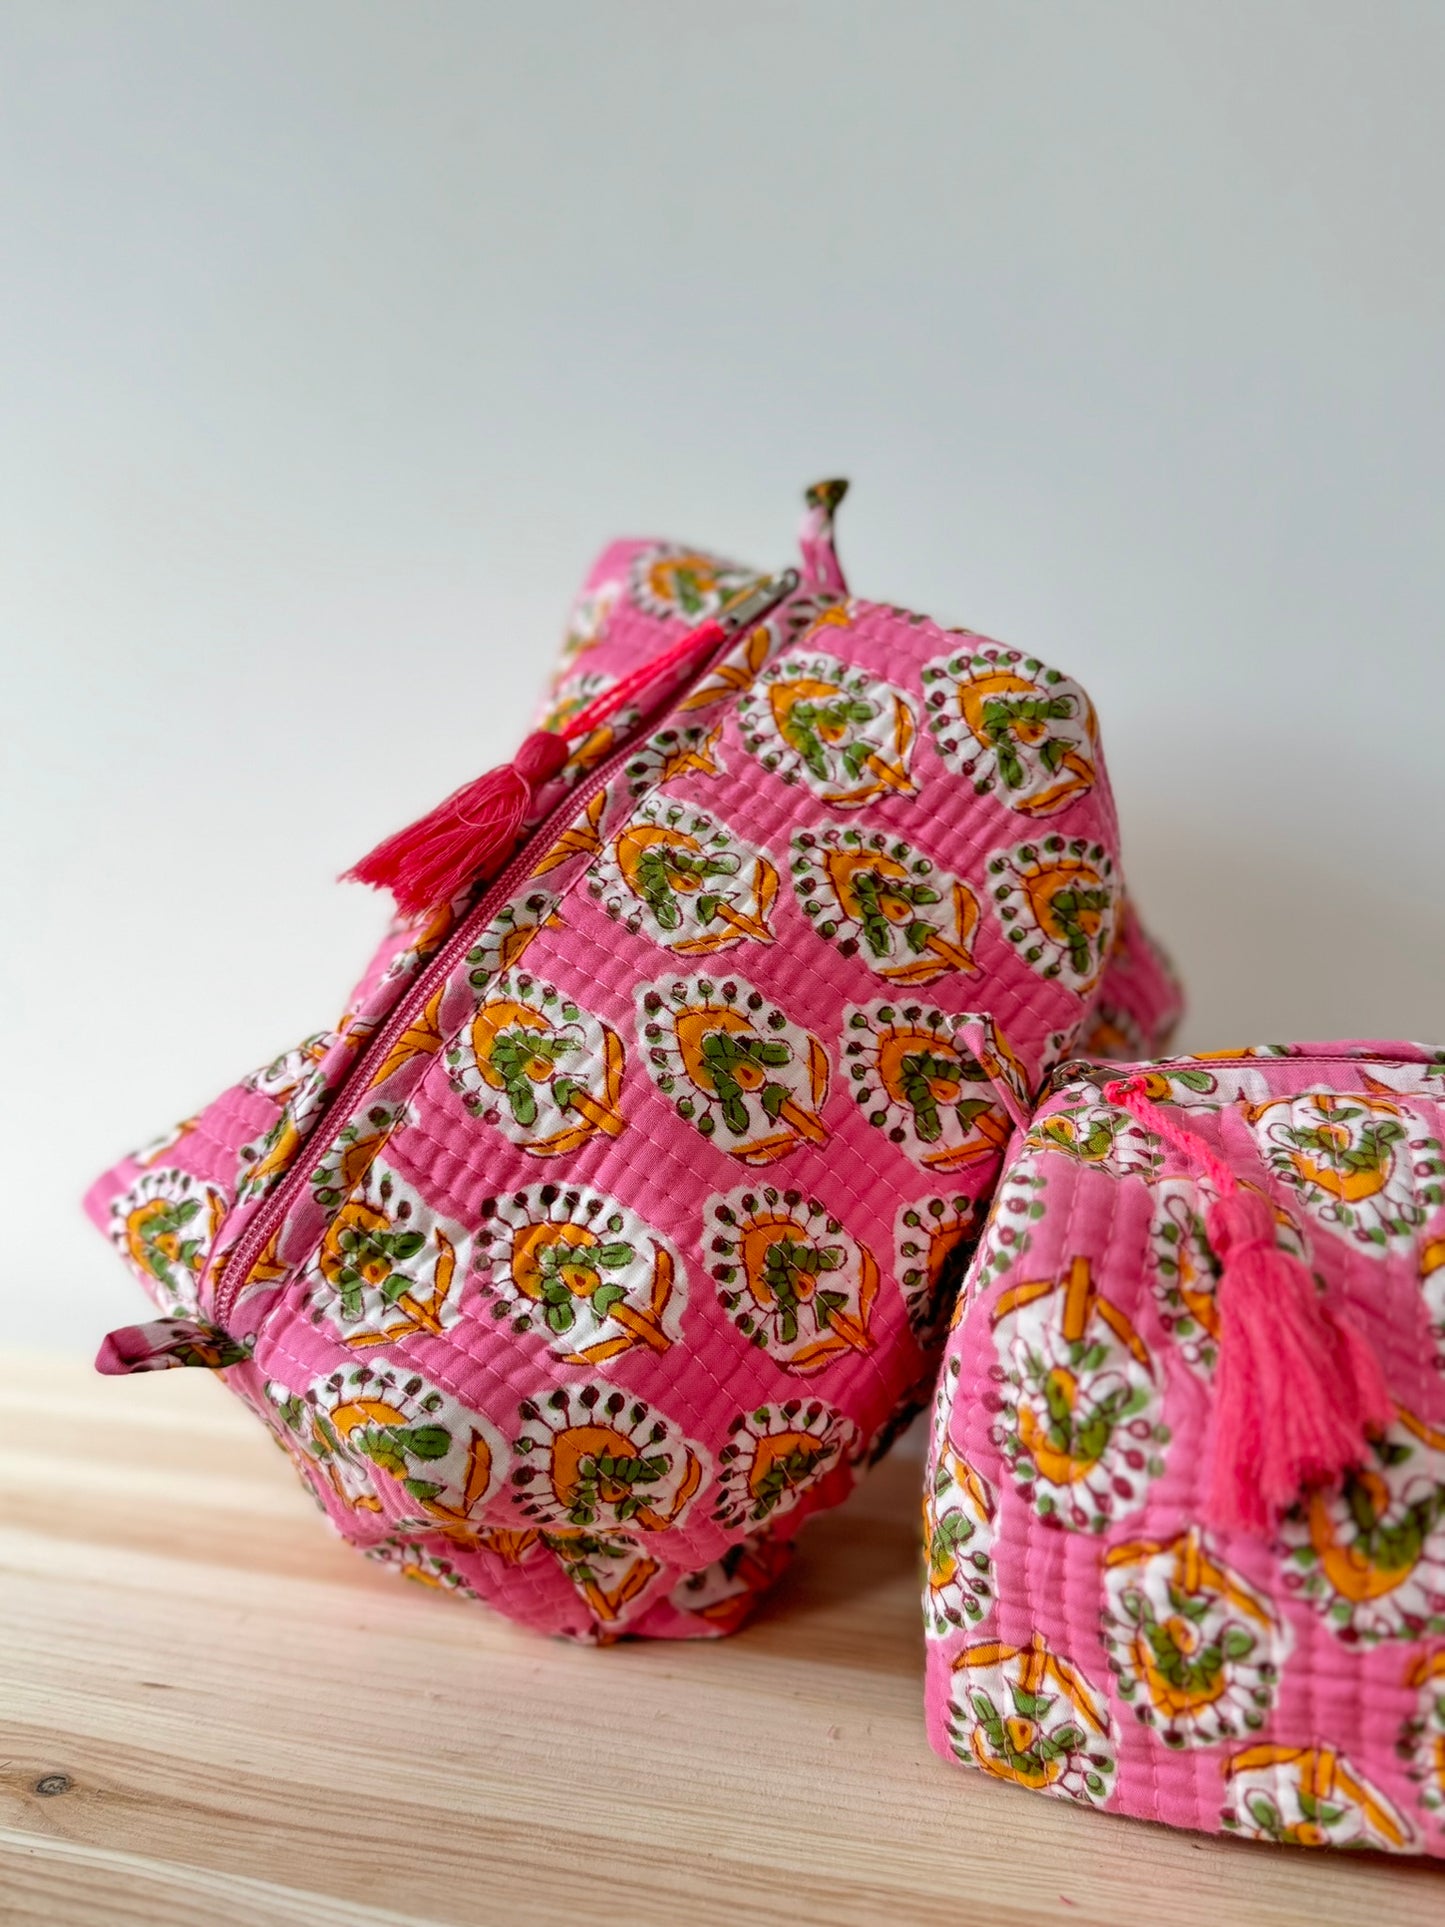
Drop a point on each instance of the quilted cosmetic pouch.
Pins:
(1185, 1501)
(603, 1238)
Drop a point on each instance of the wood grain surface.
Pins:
(239, 1721)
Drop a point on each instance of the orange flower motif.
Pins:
(386, 1268)
(580, 1268)
(842, 731)
(879, 899)
(669, 580)
(683, 878)
(918, 1076)
(366, 1432)
(1197, 1650)
(932, 1241)
(1309, 1797)
(736, 1068)
(1008, 724)
(792, 1280)
(1027, 1715)
(165, 1227)
(959, 1509)
(541, 1069)
(1367, 1166)
(1078, 1416)
(1056, 902)
(774, 1454)
(591, 1458)
(1371, 1556)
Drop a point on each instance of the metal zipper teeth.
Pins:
(417, 995)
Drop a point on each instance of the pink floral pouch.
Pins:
(1106, 1621)
(602, 1239)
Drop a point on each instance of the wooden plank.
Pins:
(46, 1881)
(255, 1724)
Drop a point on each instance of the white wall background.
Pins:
(337, 335)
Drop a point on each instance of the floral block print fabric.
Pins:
(1087, 1636)
(1001, 721)
(613, 1226)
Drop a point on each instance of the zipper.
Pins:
(1385, 1050)
(747, 608)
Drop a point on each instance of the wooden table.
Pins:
(212, 1712)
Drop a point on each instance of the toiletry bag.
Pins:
(1185, 1502)
(603, 1237)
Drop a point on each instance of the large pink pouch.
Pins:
(1091, 1634)
(606, 1235)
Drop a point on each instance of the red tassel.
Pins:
(435, 858)
(1298, 1387)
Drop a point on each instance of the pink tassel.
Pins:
(435, 858)
(1298, 1387)
(474, 831)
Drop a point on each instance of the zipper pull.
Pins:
(473, 831)
(751, 605)
(432, 860)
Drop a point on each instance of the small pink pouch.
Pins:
(1104, 1623)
